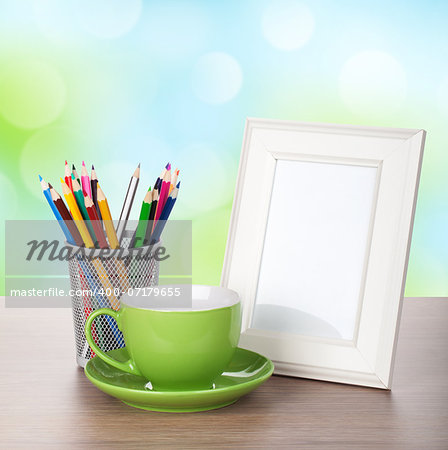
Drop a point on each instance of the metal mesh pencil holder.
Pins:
(99, 282)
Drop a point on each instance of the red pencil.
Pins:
(96, 224)
(68, 176)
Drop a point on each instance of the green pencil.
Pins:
(76, 174)
(79, 196)
(152, 214)
(143, 220)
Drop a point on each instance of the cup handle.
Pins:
(129, 365)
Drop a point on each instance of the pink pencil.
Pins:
(164, 192)
(85, 180)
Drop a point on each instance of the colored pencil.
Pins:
(96, 224)
(127, 204)
(77, 216)
(77, 192)
(57, 214)
(79, 196)
(160, 225)
(174, 180)
(66, 216)
(158, 182)
(112, 237)
(107, 219)
(152, 214)
(104, 279)
(93, 185)
(85, 180)
(87, 306)
(170, 203)
(140, 233)
(68, 220)
(164, 192)
(155, 200)
(68, 178)
(95, 284)
(75, 174)
(101, 271)
(162, 174)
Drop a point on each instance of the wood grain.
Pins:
(46, 401)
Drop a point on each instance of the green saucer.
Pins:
(246, 371)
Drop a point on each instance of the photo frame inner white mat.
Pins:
(318, 245)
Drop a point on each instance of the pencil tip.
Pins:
(40, 178)
(83, 163)
(73, 167)
(93, 167)
(73, 176)
(178, 185)
(50, 186)
(168, 166)
(62, 181)
(138, 165)
(66, 162)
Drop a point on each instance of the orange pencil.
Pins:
(174, 180)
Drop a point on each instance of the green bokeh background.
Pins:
(116, 83)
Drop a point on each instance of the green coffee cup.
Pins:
(176, 348)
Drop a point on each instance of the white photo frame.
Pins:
(318, 245)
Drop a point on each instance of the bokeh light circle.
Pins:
(105, 101)
(32, 93)
(176, 31)
(109, 19)
(45, 153)
(8, 199)
(373, 82)
(217, 78)
(287, 25)
(54, 19)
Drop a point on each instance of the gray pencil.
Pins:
(127, 205)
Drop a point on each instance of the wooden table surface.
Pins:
(46, 401)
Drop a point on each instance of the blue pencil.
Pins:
(47, 194)
(160, 225)
(95, 286)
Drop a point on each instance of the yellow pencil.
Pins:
(99, 267)
(107, 218)
(109, 289)
(112, 236)
(76, 214)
